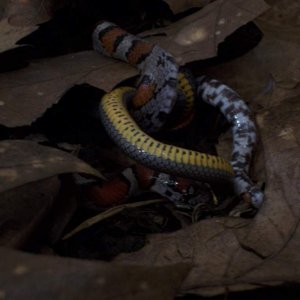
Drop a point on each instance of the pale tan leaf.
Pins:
(9, 34)
(30, 12)
(27, 93)
(22, 162)
(107, 214)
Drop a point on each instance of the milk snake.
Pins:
(160, 87)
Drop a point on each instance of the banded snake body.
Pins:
(159, 87)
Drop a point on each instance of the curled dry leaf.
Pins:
(276, 59)
(66, 278)
(19, 19)
(9, 34)
(27, 93)
(29, 12)
(198, 35)
(22, 162)
(2, 8)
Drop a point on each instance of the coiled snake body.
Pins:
(150, 105)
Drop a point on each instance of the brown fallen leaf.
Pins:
(27, 93)
(180, 6)
(9, 34)
(23, 162)
(30, 12)
(44, 277)
(198, 35)
(2, 8)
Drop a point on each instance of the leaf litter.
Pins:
(11, 34)
(230, 254)
(25, 161)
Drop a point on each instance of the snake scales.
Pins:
(160, 85)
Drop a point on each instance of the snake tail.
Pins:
(243, 129)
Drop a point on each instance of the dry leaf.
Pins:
(19, 18)
(27, 276)
(28, 12)
(198, 35)
(23, 162)
(234, 254)
(180, 6)
(275, 58)
(9, 34)
(3, 4)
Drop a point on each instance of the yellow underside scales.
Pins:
(185, 85)
(116, 112)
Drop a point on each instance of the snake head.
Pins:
(184, 193)
(196, 194)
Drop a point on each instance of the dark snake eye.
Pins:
(162, 116)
